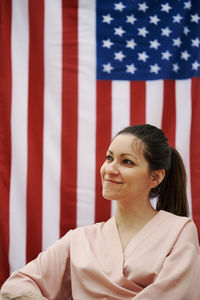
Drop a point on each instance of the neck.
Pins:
(130, 216)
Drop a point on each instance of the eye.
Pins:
(128, 162)
(109, 158)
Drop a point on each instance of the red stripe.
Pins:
(103, 138)
(195, 151)
(169, 111)
(137, 102)
(69, 116)
(5, 134)
(35, 128)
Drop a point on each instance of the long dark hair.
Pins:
(171, 192)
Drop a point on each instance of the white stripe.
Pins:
(120, 111)
(120, 105)
(183, 126)
(86, 113)
(52, 121)
(19, 54)
(154, 102)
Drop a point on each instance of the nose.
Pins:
(112, 168)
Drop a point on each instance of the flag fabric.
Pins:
(147, 40)
(73, 73)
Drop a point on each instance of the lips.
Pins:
(112, 181)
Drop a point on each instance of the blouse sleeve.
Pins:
(46, 276)
(179, 277)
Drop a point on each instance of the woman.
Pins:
(141, 252)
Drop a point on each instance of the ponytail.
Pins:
(172, 192)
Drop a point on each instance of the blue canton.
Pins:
(148, 40)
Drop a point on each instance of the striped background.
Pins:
(56, 122)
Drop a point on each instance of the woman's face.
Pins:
(125, 174)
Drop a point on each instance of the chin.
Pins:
(107, 196)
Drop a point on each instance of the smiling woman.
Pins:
(142, 252)
(126, 165)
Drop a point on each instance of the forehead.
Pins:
(127, 143)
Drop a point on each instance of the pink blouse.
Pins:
(161, 262)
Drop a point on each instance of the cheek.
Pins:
(102, 170)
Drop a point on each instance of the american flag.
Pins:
(72, 73)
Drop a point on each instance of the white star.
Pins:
(195, 42)
(142, 31)
(119, 31)
(166, 55)
(166, 7)
(185, 55)
(177, 42)
(119, 56)
(107, 68)
(166, 31)
(154, 19)
(177, 18)
(187, 5)
(107, 19)
(131, 68)
(154, 68)
(143, 7)
(143, 56)
(195, 18)
(131, 44)
(131, 19)
(195, 65)
(119, 6)
(107, 43)
(154, 44)
(186, 30)
(176, 67)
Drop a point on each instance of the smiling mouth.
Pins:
(112, 181)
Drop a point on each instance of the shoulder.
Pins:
(91, 230)
(173, 217)
(172, 220)
(89, 236)
(183, 227)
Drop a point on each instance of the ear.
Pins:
(157, 177)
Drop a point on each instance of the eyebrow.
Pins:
(124, 154)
